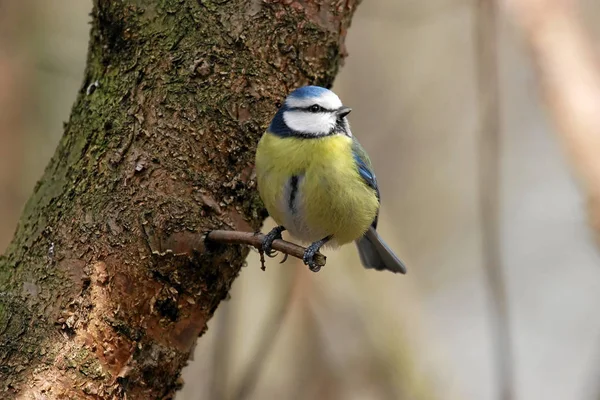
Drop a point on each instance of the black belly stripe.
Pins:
(293, 193)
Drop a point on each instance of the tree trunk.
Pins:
(568, 72)
(101, 292)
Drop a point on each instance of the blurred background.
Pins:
(347, 333)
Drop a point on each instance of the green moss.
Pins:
(92, 369)
(4, 272)
(3, 316)
(85, 363)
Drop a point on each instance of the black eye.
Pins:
(315, 108)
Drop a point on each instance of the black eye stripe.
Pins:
(310, 109)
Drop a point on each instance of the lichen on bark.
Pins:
(101, 293)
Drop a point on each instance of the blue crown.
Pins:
(306, 92)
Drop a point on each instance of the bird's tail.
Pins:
(374, 253)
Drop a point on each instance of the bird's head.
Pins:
(311, 112)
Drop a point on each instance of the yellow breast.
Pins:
(332, 197)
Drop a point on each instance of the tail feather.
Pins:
(374, 253)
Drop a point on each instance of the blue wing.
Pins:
(373, 251)
(363, 164)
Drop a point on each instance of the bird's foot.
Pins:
(311, 251)
(269, 238)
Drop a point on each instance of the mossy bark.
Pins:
(101, 295)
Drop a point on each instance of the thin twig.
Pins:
(486, 40)
(256, 239)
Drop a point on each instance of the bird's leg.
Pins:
(309, 254)
(269, 238)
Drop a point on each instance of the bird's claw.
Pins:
(311, 251)
(268, 241)
(309, 258)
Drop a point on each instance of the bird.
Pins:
(317, 182)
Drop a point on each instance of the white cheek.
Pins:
(313, 123)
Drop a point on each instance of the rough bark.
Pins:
(101, 295)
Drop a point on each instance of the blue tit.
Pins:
(317, 182)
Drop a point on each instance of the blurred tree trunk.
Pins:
(569, 76)
(101, 293)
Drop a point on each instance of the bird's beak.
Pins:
(343, 111)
